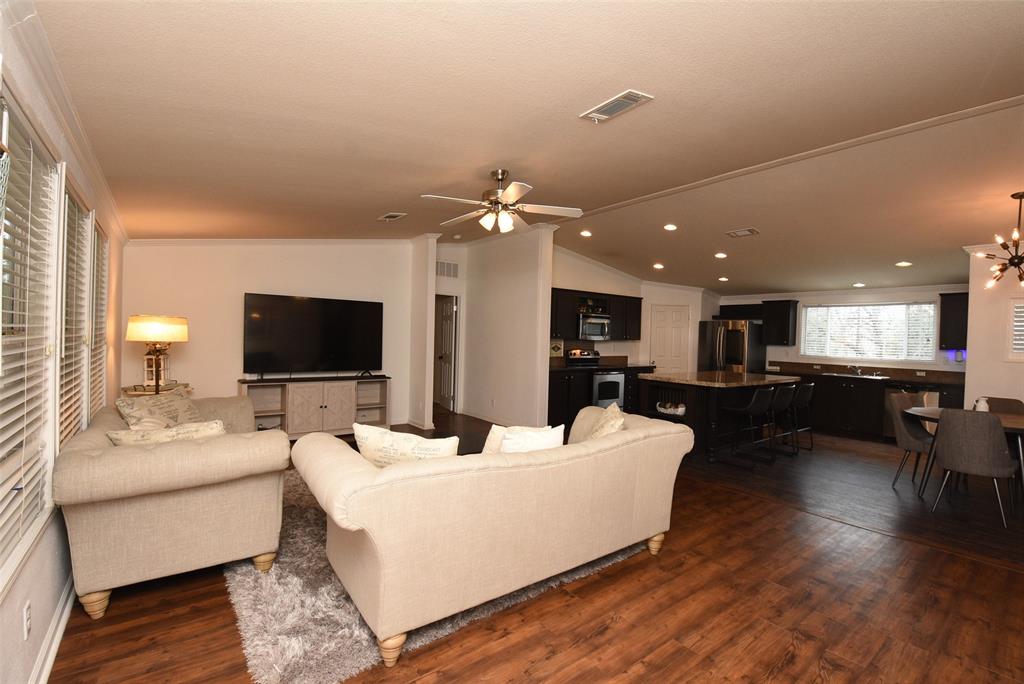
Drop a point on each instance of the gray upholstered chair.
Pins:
(973, 443)
(911, 435)
(1005, 405)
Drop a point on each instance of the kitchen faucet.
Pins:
(856, 369)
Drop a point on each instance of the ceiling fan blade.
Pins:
(514, 191)
(465, 217)
(549, 210)
(518, 223)
(458, 199)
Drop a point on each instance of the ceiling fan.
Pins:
(501, 205)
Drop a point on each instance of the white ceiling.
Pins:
(311, 119)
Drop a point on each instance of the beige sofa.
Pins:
(421, 540)
(137, 513)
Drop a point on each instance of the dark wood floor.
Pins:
(760, 578)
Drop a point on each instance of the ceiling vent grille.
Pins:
(391, 216)
(743, 232)
(621, 103)
(447, 269)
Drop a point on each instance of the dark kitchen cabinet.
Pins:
(568, 392)
(631, 391)
(953, 320)
(951, 396)
(564, 314)
(634, 311)
(848, 406)
(617, 310)
(740, 312)
(779, 319)
(625, 313)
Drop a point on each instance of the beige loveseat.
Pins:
(421, 540)
(135, 513)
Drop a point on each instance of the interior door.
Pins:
(445, 335)
(339, 406)
(302, 407)
(670, 337)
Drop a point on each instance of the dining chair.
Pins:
(973, 443)
(911, 435)
(1005, 405)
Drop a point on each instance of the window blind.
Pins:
(890, 332)
(1017, 328)
(78, 227)
(29, 223)
(98, 336)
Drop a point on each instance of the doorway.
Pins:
(446, 313)
(670, 337)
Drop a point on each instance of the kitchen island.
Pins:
(703, 393)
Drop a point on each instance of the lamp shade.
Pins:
(143, 328)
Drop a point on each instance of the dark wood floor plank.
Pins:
(759, 579)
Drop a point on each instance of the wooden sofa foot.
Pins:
(655, 542)
(391, 648)
(95, 603)
(264, 561)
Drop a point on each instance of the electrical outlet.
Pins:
(920, 374)
(817, 366)
(26, 620)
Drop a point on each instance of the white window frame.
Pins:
(1011, 355)
(863, 359)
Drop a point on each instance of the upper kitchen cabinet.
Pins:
(740, 312)
(625, 313)
(953, 320)
(779, 319)
(564, 316)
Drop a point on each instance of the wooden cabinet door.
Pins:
(579, 394)
(779, 322)
(339, 406)
(953, 320)
(558, 388)
(303, 412)
(634, 315)
(617, 311)
(564, 316)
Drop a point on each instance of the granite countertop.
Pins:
(616, 367)
(719, 379)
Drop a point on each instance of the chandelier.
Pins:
(1015, 260)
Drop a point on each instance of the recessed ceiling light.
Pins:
(904, 264)
(659, 266)
(720, 255)
(724, 279)
(670, 226)
(858, 285)
(585, 233)
(457, 237)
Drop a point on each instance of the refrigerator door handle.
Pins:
(720, 349)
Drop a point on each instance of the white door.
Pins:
(670, 337)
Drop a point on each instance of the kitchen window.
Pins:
(879, 332)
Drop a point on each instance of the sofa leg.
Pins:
(655, 542)
(391, 648)
(264, 561)
(95, 603)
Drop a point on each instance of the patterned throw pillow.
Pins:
(159, 410)
(612, 420)
(383, 447)
(183, 431)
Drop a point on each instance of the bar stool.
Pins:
(758, 415)
(801, 409)
(782, 402)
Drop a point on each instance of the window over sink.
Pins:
(882, 332)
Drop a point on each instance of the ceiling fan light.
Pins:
(488, 219)
(505, 223)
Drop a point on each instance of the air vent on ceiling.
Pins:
(743, 232)
(619, 104)
(391, 216)
(447, 269)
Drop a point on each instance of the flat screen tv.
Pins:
(307, 334)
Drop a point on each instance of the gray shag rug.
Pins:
(298, 623)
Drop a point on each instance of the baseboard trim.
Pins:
(488, 419)
(54, 633)
(421, 426)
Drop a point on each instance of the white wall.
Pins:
(943, 361)
(576, 272)
(205, 280)
(508, 320)
(422, 285)
(990, 373)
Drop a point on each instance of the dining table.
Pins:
(1013, 424)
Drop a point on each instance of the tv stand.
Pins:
(328, 404)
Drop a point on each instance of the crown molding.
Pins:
(31, 68)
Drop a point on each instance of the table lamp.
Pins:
(158, 332)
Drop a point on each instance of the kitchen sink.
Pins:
(854, 375)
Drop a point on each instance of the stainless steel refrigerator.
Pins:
(731, 346)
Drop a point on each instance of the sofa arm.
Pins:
(237, 413)
(333, 471)
(91, 475)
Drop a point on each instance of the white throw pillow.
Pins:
(494, 437)
(212, 428)
(612, 420)
(519, 440)
(382, 447)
